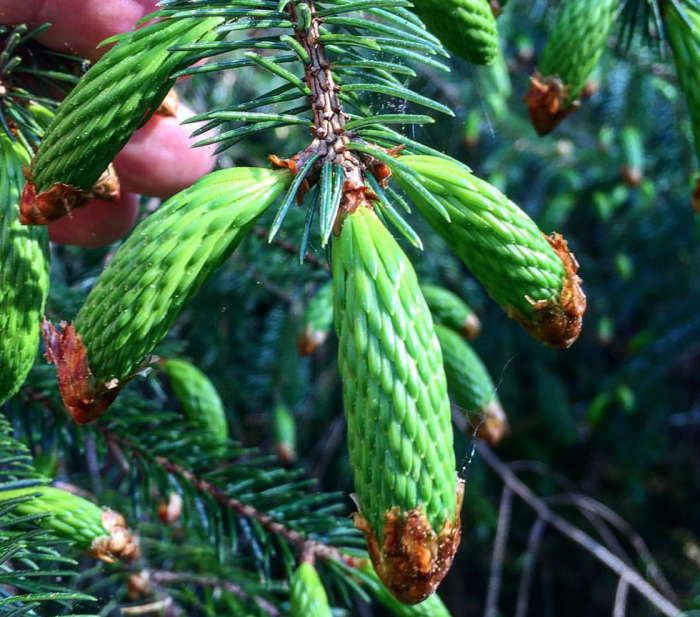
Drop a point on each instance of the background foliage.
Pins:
(616, 417)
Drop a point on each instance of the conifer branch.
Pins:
(300, 541)
(329, 117)
(174, 578)
(290, 248)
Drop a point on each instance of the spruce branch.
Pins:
(161, 577)
(329, 117)
(300, 541)
(290, 248)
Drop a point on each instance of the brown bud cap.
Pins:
(380, 171)
(471, 141)
(471, 327)
(310, 340)
(170, 104)
(494, 424)
(631, 176)
(496, 7)
(412, 559)
(557, 323)
(138, 585)
(290, 164)
(61, 199)
(286, 453)
(107, 188)
(83, 398)
(591, 88)
(547, 102)
(169, 513)
(119, 543)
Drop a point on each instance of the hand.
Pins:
(158, 161)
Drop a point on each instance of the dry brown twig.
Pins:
(629, 577)
(505, 511)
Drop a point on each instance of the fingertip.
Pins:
(100, 223)
(159, 160)
(77, 26)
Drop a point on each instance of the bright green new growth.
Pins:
(285, 433)
(633, 147)
(685, 42)
(496, 86)
(155, 273)
(467, 378)
(114, 99)
(449, 309)
(24, 275)
(317, 320)
(71, 516)
(496, 240)
(200, 400)
(466, 27)
(432, 607)
(307, 597)
(576, 42)
(394, 389)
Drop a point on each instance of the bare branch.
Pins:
(146, 609)
(533, 548)
(173, 578)
(596, 522)
(633, 578)
(499, 551)
(587, 504)
(623, 588)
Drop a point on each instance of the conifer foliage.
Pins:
(241, 524)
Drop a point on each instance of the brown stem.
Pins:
(533, 549)
(620, 608)
(171, 578)
(329, 118)
(302, 543)
(505, 511)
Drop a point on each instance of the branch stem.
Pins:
(302, 543)
(329, 118)
(173, 578)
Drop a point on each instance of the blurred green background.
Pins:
(616, 417)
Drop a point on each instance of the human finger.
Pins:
(159, 160)
(77, 26)
(98, 224)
